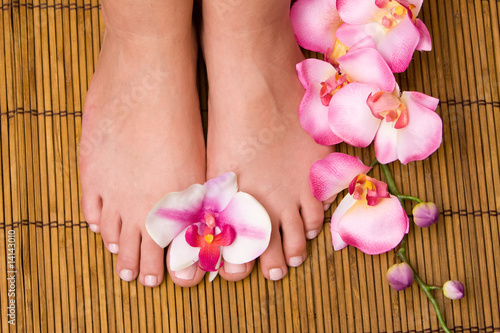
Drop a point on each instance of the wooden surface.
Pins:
(65, 279)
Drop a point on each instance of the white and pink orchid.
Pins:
(209, 224)
(404, 127)
(323, 82)
(368, 218)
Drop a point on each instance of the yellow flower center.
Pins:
(209, 238)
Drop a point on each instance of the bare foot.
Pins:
(254, 130)
(142, 135)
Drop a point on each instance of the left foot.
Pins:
(254, 130)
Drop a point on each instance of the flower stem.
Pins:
(427, 289)
(409, 197)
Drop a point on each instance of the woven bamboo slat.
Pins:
(65, 278)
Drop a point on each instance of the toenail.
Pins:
(93, 227)
(126, 275)
(234, 268)
(276, 274)
(327, 207)
(150, 280)
(311, 234)
(186, 273)
(113, 248)
(295, 261)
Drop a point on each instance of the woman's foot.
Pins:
(142, 135)
(254, 130)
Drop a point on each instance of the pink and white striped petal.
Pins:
(314, 71)
(332, 174)
(425, 41)
(386, 142)
(174, 213)
(314, 23)
(343, 207)
(350, 117)
(357, 12)
(182, 255)
(366, 65)
(252, 226)
(220, 191)
(374, 229)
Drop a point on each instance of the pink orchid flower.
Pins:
(368, 218)
(208, 224)
(323, 81)
(392, 24)
(405, 128)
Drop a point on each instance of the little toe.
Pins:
(127, 265)
(272, 261)
(110, 229)
(236, 272)
(313, 215)
(294, 240)
(91, 209)
(151, 266)
(187, 277)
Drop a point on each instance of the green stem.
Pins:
(390, 181)
(427, 289)
(409, 197)
(374, 163)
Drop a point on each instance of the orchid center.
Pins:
(209, 238)
(339, 50)
(393, 13)
(368, 189)
(210, 220)
(331, 86)
(384, 105)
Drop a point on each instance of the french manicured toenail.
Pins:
(150, 280)
(295, 261)
(186, 273)
(113, 248)
(275, 274)
(311, 234)
(93, 227)
(126, 275)
(327, 207)
(234, 268)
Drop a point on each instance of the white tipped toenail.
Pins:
(93, 227)
(234, 268)
(126, 275)
(275, 274)
(295, 261)
(327, 207)
(311, 234)
(186, 273)
(150, 280)
(113, 248)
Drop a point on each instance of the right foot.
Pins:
(142, 135)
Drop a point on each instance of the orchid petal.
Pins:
(252, 226)
(314, 71)
(398, 45)
(315, 23)
(174, 213)
(220, 191)
(367, 66)
(364, 43)
(209, 257)
(182, 255)
(425, 42)
(420, 98)
(416, 3)
(350, 117)
(357, 12)
(333, 173)
(423, 134)
(374, 229)
(386, 142)
(213, 275)
(342, 208)
(352, 34)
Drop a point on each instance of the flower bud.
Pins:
(425, 214)
(453, 289)
(400, 276)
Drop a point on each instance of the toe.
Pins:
(110, 229)
(313, 215)
(187, 277)
(328, 203)
(91, 208)
(272, 261)
(127, 265)
(236, 272)
(294, 240)
(151, 266)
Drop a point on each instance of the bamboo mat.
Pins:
(65, 278)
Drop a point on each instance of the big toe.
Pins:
(187, 277)
(236, 272)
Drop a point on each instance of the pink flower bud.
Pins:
(425, 214)
(400, 276)
(453, 289)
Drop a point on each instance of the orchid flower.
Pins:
(323, 81)
(209, 224)
(368, 218)
(405, 128)
(392, 24)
